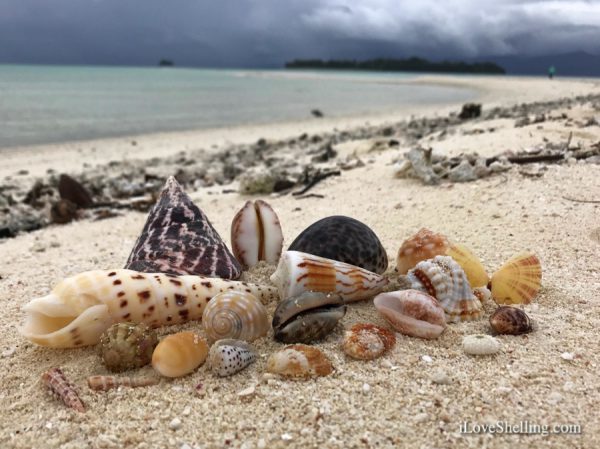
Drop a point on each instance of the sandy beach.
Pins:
(546, 378)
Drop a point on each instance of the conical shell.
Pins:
(445, 280)
(470, 263)
(518, 280)
(425, 244)
(179, 354)
(256, 234)
(228, 356)
(510, 320)
(299, 361)
(412, 313)
(237, 315)
(367, 341)
(300, 272)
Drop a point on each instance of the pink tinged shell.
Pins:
(412, 312)
(256, 234)
(299, 272)
(58, 384)
(444, 279)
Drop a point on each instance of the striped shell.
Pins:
(510, 320)
(179, 354)
(299, 361)
(366, 341)
(237, 315)
(470, 263)
(228, 356)
(518, 280)
(300, 272)
(444, 279)
(57, 383)
(105, 383)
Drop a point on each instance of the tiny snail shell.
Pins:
(179, 354)
(57, 383)
(412, 313)
(510, 320)
(299, 361)
(125, 346)
(236, 315)
(228, 356)
(367, 341)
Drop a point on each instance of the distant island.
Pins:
(166, 63)
(413, 64)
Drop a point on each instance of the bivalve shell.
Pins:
(366, 341)
(470, 263)
(518, 280)
(179, 354)
(229, 356)
(299, 361)
(510, 320)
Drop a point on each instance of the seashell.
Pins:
(510, 320)
(343, 239)
(480, 344)
(367, 341)
(482, 294)
(58, 384)
(307, 317)
(518, 280)
(82, 307)
(256, 234)
(228, 356)
(412, 313)
(105, 383)
(425, 244)
(236, 315)
(444, 279)
(125, 346)
(178, 239)
(470, 263)
(299, 361)
(300, 272)
(179, 354)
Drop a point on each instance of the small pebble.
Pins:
(261, 443)
(175, 424)
(420, 418)
(481, 344)
(247, 391)
(555, 397)
(286, 437)
(9, 352)
(186, 411)
(426, 358)
(569, 356)
(366, 388)
(440, 377)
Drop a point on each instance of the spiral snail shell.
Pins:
(237, 315)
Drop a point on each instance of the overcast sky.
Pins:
(265, 33)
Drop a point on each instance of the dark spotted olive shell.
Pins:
(307, 317)
(125, 346)
(344, 239)
(511, 321)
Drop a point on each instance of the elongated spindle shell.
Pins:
(105, 383)
(58, 384)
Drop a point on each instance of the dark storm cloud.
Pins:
(268, 32)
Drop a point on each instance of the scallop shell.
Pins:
(82, 307)
(300, 272)
(510, 320)
(179, 354)
(367, 341)
(307, 317)
(237, 315)
(470, 263)
(178, 239)
(343, 239)
(299, 361)
(125, 346)
(228, 356)
(444, 279)
(412, 313)
(256, 234)
(425, 244)
(518, 280)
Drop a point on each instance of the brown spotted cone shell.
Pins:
(178, 239)
(511, 321)
(125, 346)
(365, 341)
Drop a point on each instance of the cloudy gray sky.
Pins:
(263, 33)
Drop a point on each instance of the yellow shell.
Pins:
(470, 263)
(518, 280)
(179, 354)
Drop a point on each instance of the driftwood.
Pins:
(315, 179)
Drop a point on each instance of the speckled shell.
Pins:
(237, 315)
(470, 263)
(179, 354)
(442, 278)
(299, 361)
(510, 320)
(412, 313)
(425, 244)
(518, 280)
(228, 356)
(126, 346)
(256, 234)
(367, 341)
(300, 272)
(344, 239)
(307, 317)
(82, 307)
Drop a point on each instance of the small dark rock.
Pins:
(316, 113)
(387, 131)
(72, 191)
(63, 211)
(469, 111)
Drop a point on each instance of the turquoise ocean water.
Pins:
(47, 104)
